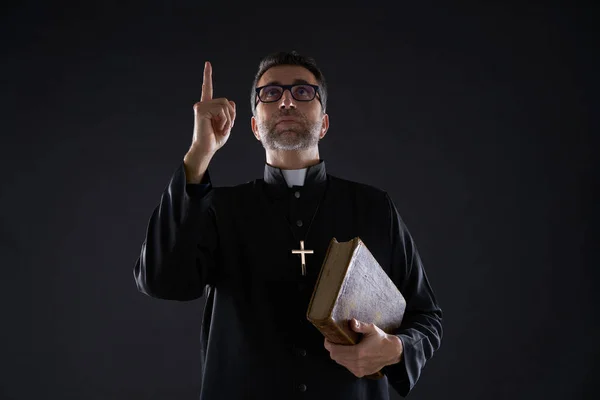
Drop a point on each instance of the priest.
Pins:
(254, 252)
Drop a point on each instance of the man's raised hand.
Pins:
(213, 120)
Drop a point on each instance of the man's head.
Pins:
(302, 104)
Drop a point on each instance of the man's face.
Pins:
(305, 122)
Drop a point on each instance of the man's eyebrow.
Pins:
(301, 81)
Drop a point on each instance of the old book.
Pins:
(352, 284)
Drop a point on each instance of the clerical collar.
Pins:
(296, 177)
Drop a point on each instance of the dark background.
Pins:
(477, 121)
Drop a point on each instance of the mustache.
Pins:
(290, 113)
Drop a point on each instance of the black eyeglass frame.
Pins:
(289, 87)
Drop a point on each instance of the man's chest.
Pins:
(277, 243)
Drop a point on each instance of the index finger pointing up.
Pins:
(207, 87)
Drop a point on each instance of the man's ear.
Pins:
(254, 126)
(324, 126)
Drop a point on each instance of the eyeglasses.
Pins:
(300, 92)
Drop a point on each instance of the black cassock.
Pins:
(233, 245)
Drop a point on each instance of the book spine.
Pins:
(312, 297)
(333, 332)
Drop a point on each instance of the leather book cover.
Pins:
(352, 284)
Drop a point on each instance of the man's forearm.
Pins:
(195, 166)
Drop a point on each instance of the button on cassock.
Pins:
(302, 387)
(299, 222)
(297, 194)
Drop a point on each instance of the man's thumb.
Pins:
(358, 326)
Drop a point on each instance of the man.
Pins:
(235, 246)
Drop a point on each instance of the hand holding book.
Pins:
(375, 350)
(353, 286)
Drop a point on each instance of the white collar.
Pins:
(294, 177)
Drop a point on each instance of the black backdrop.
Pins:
(478, 122)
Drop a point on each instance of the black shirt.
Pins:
(233, 245)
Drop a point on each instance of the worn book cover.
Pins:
(352, 284)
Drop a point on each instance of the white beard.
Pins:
(298, 136)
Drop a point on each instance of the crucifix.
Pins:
(302, 252)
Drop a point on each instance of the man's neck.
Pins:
(296, 159)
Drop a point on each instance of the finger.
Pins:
(228, 109)
(231, 111)
(224, 118)
(234, 112)
(343, 352)
(229, 117)
(227, 126)
(207, 87)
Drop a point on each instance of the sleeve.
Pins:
(177, 258)
(421, 330)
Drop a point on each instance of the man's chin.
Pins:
(288, 143)
(288, 139)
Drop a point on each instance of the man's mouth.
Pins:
(287, 120)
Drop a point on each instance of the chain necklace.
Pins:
(302, 252)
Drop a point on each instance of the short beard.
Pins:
(302, 136)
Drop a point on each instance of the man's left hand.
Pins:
(375, 350)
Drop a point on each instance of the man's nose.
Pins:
(287, 100)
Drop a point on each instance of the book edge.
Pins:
(312, 297)
(355, 244)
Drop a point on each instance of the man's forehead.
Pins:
(287, 75)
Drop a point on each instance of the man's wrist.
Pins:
(195, 169)
(398, 347)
